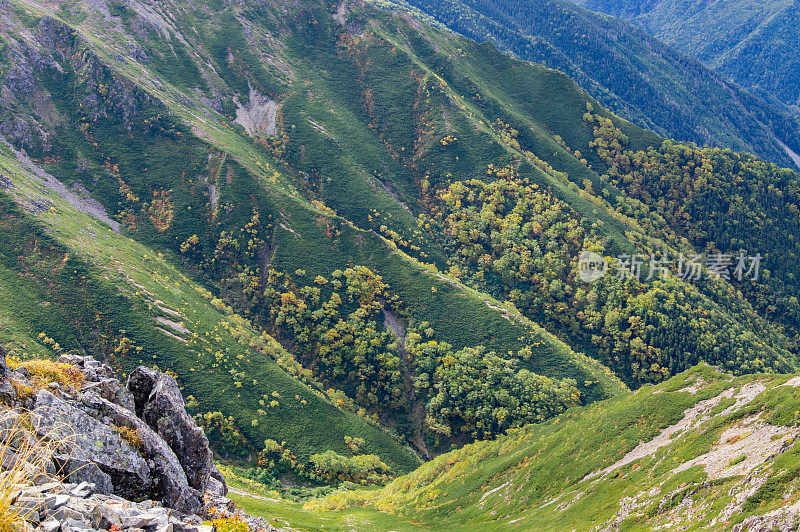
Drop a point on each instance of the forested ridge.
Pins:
(754, 43)
(719, 201)
(514, 240)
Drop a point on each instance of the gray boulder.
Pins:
(114, 391)
(160, 403)
(10, 422)
(165, 411)
(216, 483)
(89, 440)
(140, 384)
(100, 378)
(76, 471)
(93, 369)
(170, 481)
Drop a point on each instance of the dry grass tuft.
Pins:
(131, 436)
(44, 372)
(24, 458)
(229, 524)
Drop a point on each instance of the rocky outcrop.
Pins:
(140, 384)
(92, 369)
(259, 115)
(77, 471)
(101, 379)
(68, 507)
(7, 392)
(159, 402)
(91, 440)
(165, 412)
(217, 483)
(167, 472)
(113, 444)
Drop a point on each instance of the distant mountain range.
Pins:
(754, 43)
(625, 68)
(357, 240)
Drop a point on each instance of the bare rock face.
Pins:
(134, 442)
(259, 115)
(140, 384)
(91, 368)
(217, 484)
(170, 483)
(90, 440)
(76, 471)
(165, 411)
(101, 379)
(167, 437)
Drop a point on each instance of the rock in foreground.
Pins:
(98, 445)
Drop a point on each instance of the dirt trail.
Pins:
(242, 493)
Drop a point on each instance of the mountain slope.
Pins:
(396, 211)
(112, 133)
(628, 71)
(702, 450)
(753, 43)
(131, 306)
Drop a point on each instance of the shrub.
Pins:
(229, 524)
(356, 444)
(364, 469)
(224, 435)
(277, 457)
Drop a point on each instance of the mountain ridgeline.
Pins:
(753, 43)
(337, 223)
(703, 450)
(638, 77)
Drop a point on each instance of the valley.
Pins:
(355, 239)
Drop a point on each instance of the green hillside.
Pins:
(229, 210)
(703, 451)
(89, 289)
